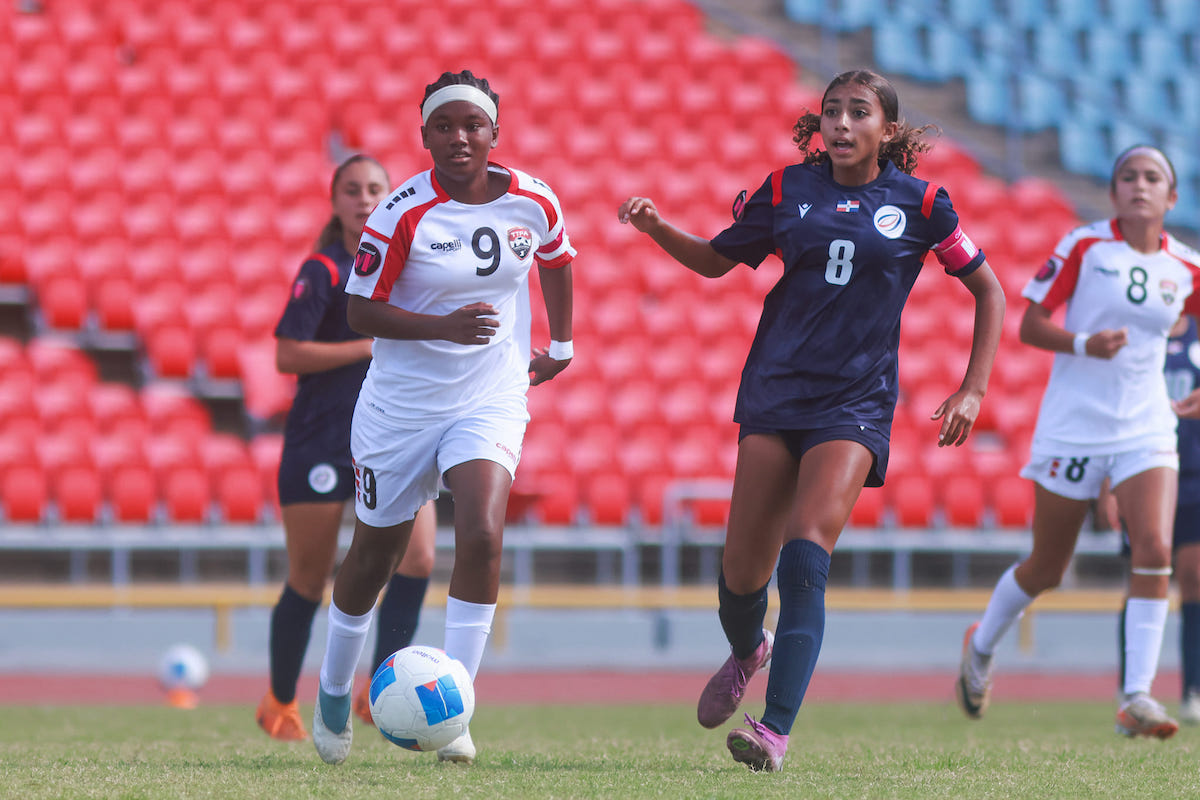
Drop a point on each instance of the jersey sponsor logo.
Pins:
(804, 207)
(890, 221)
(322, 478)
(847, 205)
(503, 448)
(299, 289)
(1108, 271)
(1168, 289)
(447, 247)
(520, 241)
(367, 259)
(1048, 270)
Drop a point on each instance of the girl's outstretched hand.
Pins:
(958, 414)
(638, 212)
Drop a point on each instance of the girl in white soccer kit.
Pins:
(438, 281)
(1105, 414)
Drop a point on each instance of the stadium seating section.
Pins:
(1103, 74)
(164, 169)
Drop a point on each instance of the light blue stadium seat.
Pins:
(903, 46)
(839, 15)
(1082, 148)
(1160, 52)
(989, 99)
(1147, 98)
(1026, 13)
(1181, 14)
(1129, 15)
(1073, 14)
(1186, 97)
(949, 52)
(1107, 52)
(971, 13)
(1056, 49)
(1040, 100)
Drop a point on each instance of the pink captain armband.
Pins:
(955, 251)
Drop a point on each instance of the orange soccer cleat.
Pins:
(280, 720)
(362, 705)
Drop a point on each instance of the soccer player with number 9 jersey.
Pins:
(852, 227)
(438, 279)
(1106, 414)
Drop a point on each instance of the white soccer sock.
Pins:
(467, 629)
(1007, 604)
(1145, 619)
(343, 648)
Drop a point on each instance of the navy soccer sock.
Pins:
(291, 625)
(396, 620)
(1189, 646)
(741, 617)
(802, 572)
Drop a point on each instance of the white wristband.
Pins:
(561, 351)
(1080, 346)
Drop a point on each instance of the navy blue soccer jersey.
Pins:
(826, 345)
(319, 420)
(1183, 375)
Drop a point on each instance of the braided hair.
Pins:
(333, 230)
(464, 78)
(903, 148)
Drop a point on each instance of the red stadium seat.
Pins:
(223, 452)
(169, 407)
(912, 501)
(172, 352)
(186, 495)
(133, 495)
(114, 305)
(25, 493)
(78, 494)
(608, 498)
(558, 499)
(239, 494)
(962, 500)
(220, 346)
(63, 303)
(868, 510)
(1011, 498)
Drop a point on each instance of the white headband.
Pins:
(458, 91)
(1152, 153)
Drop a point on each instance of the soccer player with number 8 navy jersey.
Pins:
(818, 391)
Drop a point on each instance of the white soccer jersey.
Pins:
(429, 254)
(1093, 405)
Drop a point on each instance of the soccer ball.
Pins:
(421, 698)
(183, 667)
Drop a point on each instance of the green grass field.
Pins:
(1065, 750)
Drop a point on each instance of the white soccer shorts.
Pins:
(1080, 477)
(397, 468)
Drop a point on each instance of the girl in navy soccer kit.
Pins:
(819, 387)
(316, 480)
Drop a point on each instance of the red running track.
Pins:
(586, 687)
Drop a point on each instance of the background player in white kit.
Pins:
(438, 278)
(1105, 414)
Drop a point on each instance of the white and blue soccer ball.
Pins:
(183, 667)
(421, 698)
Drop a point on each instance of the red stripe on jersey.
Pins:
(1192, 304)
(398, 248)
(776, 187)
(329, 265)
(1068, 276)
(931, 190)
(543, 202)
(377, 234)
(561, 260)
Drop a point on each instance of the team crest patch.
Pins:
(366, 260)
(890, 221)
(1048, 270)
(299, 288)
(520, 241)
(322, 478)
(1168, 289)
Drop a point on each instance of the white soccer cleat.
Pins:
(973, 689)
(1142, 715)
(332, 747)
(460, 751)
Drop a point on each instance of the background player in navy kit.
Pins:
(819, 387)
(439, 277)
(314, 342)
(1183, 377)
